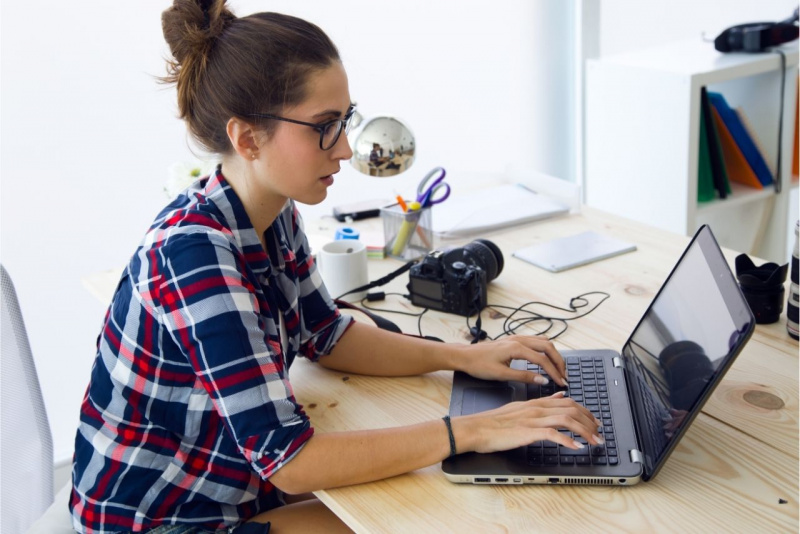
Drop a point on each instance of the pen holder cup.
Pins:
(408, 235)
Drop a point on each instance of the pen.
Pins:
(402, 203)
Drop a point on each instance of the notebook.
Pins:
(646, 396)
(564, 253)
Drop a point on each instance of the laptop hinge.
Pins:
(618, 362)
(636, 456)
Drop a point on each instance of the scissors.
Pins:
(426, 197)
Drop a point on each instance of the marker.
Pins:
(406, 228)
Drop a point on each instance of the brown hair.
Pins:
(224, 66)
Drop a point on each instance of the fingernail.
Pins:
(598, 422)
(579, 445)
(539, 379)
(599, 440)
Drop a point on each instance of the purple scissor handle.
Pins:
(427, 197)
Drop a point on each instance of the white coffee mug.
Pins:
(343, 265)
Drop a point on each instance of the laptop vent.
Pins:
(589, 481)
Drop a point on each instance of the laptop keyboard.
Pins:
(586, 380)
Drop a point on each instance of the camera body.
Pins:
(455, 280)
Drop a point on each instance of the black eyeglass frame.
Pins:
(344, 124)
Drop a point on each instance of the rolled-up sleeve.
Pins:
(321, 324)
(212, 311)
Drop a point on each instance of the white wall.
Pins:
(88, 135)
(629, 25)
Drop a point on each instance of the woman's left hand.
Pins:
(491, 361)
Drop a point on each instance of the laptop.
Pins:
(646, 396)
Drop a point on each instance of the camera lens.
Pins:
(487, 256)
(762, 287)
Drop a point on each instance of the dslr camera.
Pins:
(454, 280)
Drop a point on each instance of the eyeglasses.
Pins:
(329, 132)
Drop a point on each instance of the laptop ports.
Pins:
(552, 480)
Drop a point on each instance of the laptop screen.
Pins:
(686, 340)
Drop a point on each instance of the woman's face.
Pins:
(295, 166)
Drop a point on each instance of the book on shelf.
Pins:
(756, 140)
(705, 175)
(742, 137)
(739, 170)
(718, 172)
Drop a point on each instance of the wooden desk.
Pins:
(727, 475)
(739, 458)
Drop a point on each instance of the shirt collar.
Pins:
(218, 191)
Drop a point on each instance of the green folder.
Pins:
(718, 171)
(705, 176)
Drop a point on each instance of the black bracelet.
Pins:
(446, 420)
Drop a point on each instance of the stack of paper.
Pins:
(490, 209)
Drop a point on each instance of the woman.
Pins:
(189, 423)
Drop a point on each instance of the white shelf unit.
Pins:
(642, 141)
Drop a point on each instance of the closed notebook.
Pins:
(735, 163)
(565, 253)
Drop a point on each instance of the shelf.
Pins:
(740, 195)
(642, 140)
(700, 60)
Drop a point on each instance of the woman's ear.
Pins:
(243, 138)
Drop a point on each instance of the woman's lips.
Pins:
(327, 180)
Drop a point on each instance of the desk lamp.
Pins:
(382, 146)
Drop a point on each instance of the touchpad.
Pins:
(483, 399)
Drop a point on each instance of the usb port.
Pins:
(552, 480)
(481, 479)
(501, 480)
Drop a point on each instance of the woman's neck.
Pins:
(262, 205)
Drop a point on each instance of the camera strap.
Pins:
(380, 322)
(380, 281)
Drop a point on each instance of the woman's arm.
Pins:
(345, 458)
(368, 350)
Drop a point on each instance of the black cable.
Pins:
(778, 181)
(511, 323)
(419, 321)
(381, 281)
(370, 308)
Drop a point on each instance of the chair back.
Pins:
(26, 443)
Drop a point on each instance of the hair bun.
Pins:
(191, 26)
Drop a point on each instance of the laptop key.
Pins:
(573, 452)
(567, 460)
(599, 460)
(582, 460)
(535, 460)
(551, 460)
(613, 461)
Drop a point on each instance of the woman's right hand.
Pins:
(521, 423)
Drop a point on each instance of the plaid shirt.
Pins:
(189, 410)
